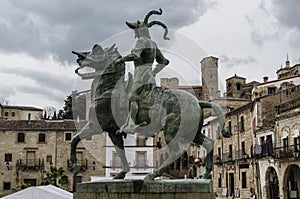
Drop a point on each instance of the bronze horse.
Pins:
(176, 112)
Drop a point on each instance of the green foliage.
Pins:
(16, 189)
(56, 177)
(24, 185)
(75, 105)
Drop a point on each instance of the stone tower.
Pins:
(234, 86)
(209, 71)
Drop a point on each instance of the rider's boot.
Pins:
(130, 126)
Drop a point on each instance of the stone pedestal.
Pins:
(138, 189)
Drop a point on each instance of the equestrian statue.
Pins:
(136, 105)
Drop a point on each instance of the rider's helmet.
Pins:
(141, 29)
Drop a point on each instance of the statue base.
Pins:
(139, 189)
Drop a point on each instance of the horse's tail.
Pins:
(218, 111)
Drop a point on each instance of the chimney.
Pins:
(265, 78)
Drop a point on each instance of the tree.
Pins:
(54, 116)
(74, 107)
(67, 110)
(56, 177)
(49, 112)
(4, 101)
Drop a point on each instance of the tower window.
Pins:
(229, 86)
(238, 86)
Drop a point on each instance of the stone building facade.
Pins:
(30, 147)
(276, 125)
(233, 173)
(8, 112)
(237, 88)
(173, 83)
(288, 70)
(261, 158)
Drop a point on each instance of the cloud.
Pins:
(5, 93)
(42, 78)
(264, 25)
(58, 27)
(236, 61)
(287, 12)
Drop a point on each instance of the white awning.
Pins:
(44, 192)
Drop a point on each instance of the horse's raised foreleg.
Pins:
(87, 131)
(117, 140)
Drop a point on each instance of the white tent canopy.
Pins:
(44, 192)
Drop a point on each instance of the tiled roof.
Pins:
(22, 108)
(38, 125)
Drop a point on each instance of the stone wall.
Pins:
(139, 189)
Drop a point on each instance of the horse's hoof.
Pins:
(120, 175)
(76, 169)
(149, 177)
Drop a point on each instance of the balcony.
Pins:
(228, 157)
(241, 155)
(264, 150)
(30, 164)
(288, 106)
(291, 151)
(217, 160)
(83, 165)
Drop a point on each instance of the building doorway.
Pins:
(292, 182)
(272, 184)
(231, 184)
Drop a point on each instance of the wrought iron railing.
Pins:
(292, 151)
(217, 160)
(263, 150)
(288, 106)
(227, 157)
(241, 155)
(83, 165)
(30, 164)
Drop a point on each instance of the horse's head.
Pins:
(98, 59)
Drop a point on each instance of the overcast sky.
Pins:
(251, 38)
